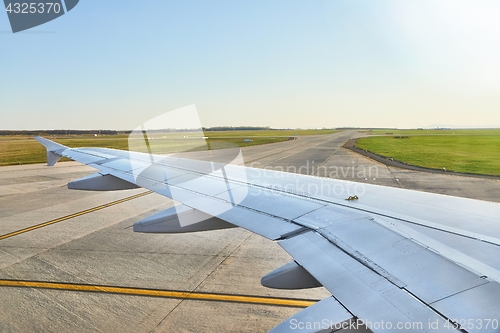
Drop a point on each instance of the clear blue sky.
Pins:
(116, 64)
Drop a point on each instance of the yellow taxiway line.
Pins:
(65, 218)
(261, 300)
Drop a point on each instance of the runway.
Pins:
(69, 260)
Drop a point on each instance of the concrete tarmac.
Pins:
(176, 283)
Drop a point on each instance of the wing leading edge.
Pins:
(381, 257)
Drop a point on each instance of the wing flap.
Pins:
(366, 294)
(258, 222)
(325, 316)
(476, 310)
(424, 273)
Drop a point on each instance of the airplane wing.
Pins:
(394, 259)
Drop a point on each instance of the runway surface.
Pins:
(69, 260)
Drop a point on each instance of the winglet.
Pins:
(53, 150)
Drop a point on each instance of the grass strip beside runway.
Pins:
(472, 154)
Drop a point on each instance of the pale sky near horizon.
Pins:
(286, 63)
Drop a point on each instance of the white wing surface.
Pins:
(396, 259)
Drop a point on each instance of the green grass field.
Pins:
(467, 151)
(26, 150)
(434, 132)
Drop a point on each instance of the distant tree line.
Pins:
(114, 132)
(237, 128)
(60, 132)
